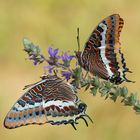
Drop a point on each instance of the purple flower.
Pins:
(66, 57)
(51, 52)
(35, 60)
(49, 68)
(66, 74)
(53, 59)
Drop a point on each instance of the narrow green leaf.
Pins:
(124, 91)
(131, 100)
(103, 91)
(107, 84)
(96, 81)
(137, 107)
(77, 73)
(94, 90)
(114, 97)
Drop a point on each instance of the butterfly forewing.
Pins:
(102, 55)
(48, 101)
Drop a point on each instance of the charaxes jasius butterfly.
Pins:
(102, 55)
(49, 101)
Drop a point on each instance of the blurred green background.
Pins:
(54, 22)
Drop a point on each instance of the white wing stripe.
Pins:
(58, 103)
(102, 50)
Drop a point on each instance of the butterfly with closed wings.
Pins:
(102, 55)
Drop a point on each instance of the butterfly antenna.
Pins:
(78, 39)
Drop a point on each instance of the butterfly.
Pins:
(102, 55)
(50, 100)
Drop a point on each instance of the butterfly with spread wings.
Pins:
(102, 55)
(49, 101)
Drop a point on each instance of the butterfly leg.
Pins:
(82, 117)
(73, 126)
(129, 80)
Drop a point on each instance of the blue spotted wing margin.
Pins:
(49, 101)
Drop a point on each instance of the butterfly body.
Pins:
(49, 101)
(102, 54)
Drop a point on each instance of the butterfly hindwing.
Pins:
(48, 101)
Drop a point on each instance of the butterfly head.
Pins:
(81, 110)
(82, 107)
